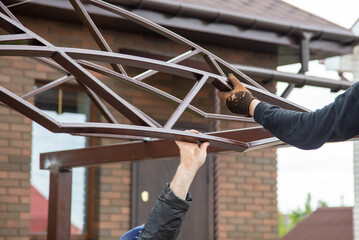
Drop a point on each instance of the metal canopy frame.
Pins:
(75, 64)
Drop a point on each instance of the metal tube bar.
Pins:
(28, 110)
(214, 66)
(8, 12)
(59, 216)
(127, 137)
(95, 32)
(48, 86)
(99, 104)
(186, 101)
(274, 99)
(229, 117)
(179, 70)
(139, 62)
(175, 69)
(101, 89)
(51, 64)
(177, 59)
(120, 129)
(156, 91)
(297, 79)
(15, 27)
(143, 22)
(14, 37)
(288, 90)
(168, 34)
(26, 51)
(142, 85)
(19, 3)
(149, 149)
(241, 75)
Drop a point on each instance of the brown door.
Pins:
(149, 178)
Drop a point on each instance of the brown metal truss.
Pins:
(76, 63)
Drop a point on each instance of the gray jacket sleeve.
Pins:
(166, 217)
(337, 121)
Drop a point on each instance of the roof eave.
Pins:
(234, 29)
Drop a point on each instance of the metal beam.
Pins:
(59, 215)
(254, 137)
(186, 101)
(297, 79)
(95, 32)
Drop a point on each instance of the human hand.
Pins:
(192, 155)
(239, 99)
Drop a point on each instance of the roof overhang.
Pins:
(210, 26)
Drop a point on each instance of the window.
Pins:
(65, 105)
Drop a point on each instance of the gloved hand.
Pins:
(239, 99)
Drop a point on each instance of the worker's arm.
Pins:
(337, 121)
(166, 217)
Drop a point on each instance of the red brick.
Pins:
(244, 214)
(4, 126)
(263, 201)
(227, 214)
(272, 222)
(228, 186)
(9, 199)
(3, 175)
(23, 65)
(263, 174)
(20, 128)
(255, 154)
(35, 74)
(10, 183)
(25, 215)
(19, 191)
(262, 188)
(11, 135)
(25, 152)
(10, 150)
(25, 199)
(253, 180)
(19, 175)
(108, 225)
(12, 224)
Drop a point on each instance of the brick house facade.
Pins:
(248, 205)
(248, 181)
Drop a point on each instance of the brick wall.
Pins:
(248, 181)
(15, 151)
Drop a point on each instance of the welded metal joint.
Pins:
(52, 165)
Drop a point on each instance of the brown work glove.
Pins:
(239, 99)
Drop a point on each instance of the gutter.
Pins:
(211, 15)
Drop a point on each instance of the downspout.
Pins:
(355, 62)
(304, 60)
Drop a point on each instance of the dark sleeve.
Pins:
(337, 121)
(166, 217)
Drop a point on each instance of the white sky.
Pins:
(327, 173)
